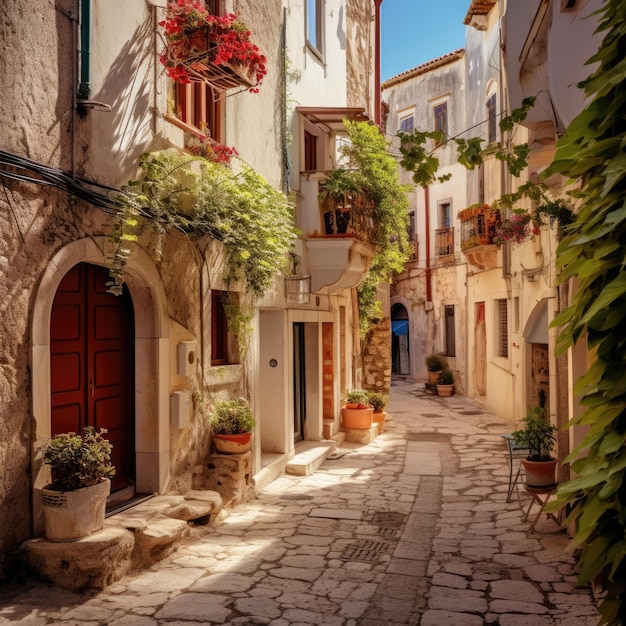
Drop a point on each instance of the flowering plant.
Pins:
(515, 228)
(212, 150)
(194, 36)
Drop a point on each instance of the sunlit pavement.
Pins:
(412, 528)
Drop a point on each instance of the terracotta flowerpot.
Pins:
(540, 473)
(433, 377)
(70, 515)
(445, 390)
(379, 420)
(357, 418)
(232, 444)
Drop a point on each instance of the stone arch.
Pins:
(400, 338)
(151, 359)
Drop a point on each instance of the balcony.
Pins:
(478, 228)
(444, 242)
(336, 237)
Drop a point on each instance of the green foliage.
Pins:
(435, 362)
(357, 396)
(377, 400)
(446, 377)
(253, 220)
(376, 173)
(537, 434)
(232, 417)
(594, 252)
(79, 461)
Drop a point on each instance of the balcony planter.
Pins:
(205, 47)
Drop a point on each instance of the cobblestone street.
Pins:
(412, 528)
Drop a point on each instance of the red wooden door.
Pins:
(92, 363)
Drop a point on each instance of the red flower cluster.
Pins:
(211, 150)
(194, 35)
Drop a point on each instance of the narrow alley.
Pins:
(413, 528)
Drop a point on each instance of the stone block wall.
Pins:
(377, 358)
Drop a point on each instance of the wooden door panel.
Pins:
(92, 363)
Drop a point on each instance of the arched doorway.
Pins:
(400, 363)
(92, 334)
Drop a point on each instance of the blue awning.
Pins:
(400, 327)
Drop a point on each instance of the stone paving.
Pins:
(412, 528)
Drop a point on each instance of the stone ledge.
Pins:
(361, 435)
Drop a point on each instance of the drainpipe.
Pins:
(377, 94)
(84, 89)
(427, 227)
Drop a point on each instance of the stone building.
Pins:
(83, 97)
(502, 298)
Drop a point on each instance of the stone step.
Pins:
(309, 456)
(135, 538)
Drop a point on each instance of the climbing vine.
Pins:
(594, 253)
(199, 197)
(375, 172)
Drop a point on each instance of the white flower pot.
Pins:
(70, 515)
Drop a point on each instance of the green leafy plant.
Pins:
(358, 396)
(377, 400)
(193, 195)
(537, 433)
(594, 253)
(232, 417)
(381, 214)
(78, 461)
(435, 362)
(446, 377)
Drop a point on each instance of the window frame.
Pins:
(501, 328)
(314, 29)
(403, 119)
(197, 106)
(440, 117)
(492, 127)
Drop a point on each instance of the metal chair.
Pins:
(516, 451)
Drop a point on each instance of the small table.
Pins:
(541, 495)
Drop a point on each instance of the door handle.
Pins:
(91, 387)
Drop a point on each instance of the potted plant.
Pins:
(445, 383)
(538, 435)
(215, 48)
(232, 423)
(435, 364)
(357, 413)
(74, 503)
(378, 400)
(336, 194)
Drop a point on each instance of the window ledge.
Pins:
(316, 53)
(218, 375)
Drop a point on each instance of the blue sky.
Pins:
(416, 31)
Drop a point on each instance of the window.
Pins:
(450, 346)
(198, 104)
(223, 344)
(407, 124)
(315, 24)
(412, 234)
(441, 117)
(502, 328)
(310, 152)
(491, 118)
(444, 215)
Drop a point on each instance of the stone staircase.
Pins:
(131, 540)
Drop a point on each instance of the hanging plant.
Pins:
(210, 149)
(197, 41)
(516, 228)
(180, 192)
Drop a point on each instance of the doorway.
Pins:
(92, 364)
(400, 363)
(299, 381)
